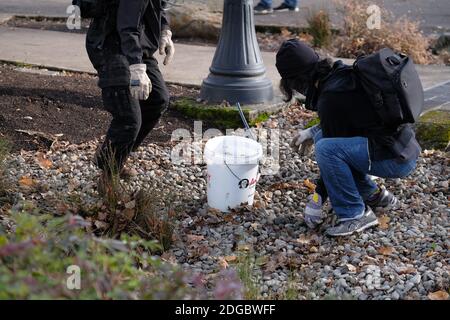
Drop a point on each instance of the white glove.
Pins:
(314, 215)
(140, 84)
(303, 141)
(166, 46)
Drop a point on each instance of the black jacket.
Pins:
(134, 26)
(345, 111)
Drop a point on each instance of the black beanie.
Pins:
(294, 58)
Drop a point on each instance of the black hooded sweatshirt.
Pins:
(345, 111)
(133, 27)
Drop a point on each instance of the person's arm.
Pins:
(165, 24)
(129, 20)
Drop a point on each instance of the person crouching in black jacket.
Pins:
(121, 44)
(350, 141)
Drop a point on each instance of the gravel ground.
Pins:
(406, 257)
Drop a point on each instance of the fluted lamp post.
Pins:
(237, 73)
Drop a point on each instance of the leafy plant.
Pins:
(247, 270)
(319, 27)
(34, 259)
(4, 150)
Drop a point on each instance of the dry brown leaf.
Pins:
(351, 268)
(303, 239)
(228, 218)
(244, 247)
(129, 214)
(27, 181)
(386, 251)
(223, 263)
(284, 186)
(231, 258)
(430, 253)
(384, 222)
(42, 160)
(311, 186)
(438, 295)
(406, 270)
(168, 257)
(194, 238)
(214, 212)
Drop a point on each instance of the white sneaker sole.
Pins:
(287, 10)
(263, 12)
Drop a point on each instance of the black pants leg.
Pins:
(123, 129)
(153, 108)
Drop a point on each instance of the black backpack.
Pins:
(91, 8)
(393, 86)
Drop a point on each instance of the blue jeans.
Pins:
(268, 3)
(345, 167)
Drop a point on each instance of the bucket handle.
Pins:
(243, 183)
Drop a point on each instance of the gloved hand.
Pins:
(140, 84)
(303, 141)
(314, 215)
(166, 46)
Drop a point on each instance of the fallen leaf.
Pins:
(214, 211)
(303, 239)
(168, 257)
(386, 251)
(284, 186)
(406, 270)
(243, 247)
(430, 253)
(194, 238)
(232, 258)
(228, 218)
(223, 263)
(438, 295)
(101, 225)
(311, 186)
(351, 268)
(384, 222)
(27, 181)
(129, 214)
(42, 160)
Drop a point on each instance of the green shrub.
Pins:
(34, 259)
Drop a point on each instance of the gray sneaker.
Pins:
(348, 227)
(383, 199)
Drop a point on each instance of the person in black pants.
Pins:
(121, 44)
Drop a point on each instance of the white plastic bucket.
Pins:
(232, 164)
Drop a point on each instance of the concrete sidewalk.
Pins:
(66, 51)
(433, 15)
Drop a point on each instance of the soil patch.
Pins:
(68, 107)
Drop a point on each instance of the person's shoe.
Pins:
(382, 199)
(348, 227)
(284, 7)
(260, 9)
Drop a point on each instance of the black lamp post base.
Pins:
(252, 90)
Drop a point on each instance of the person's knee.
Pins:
(157, 105)
(324, 149)
(127, 119)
